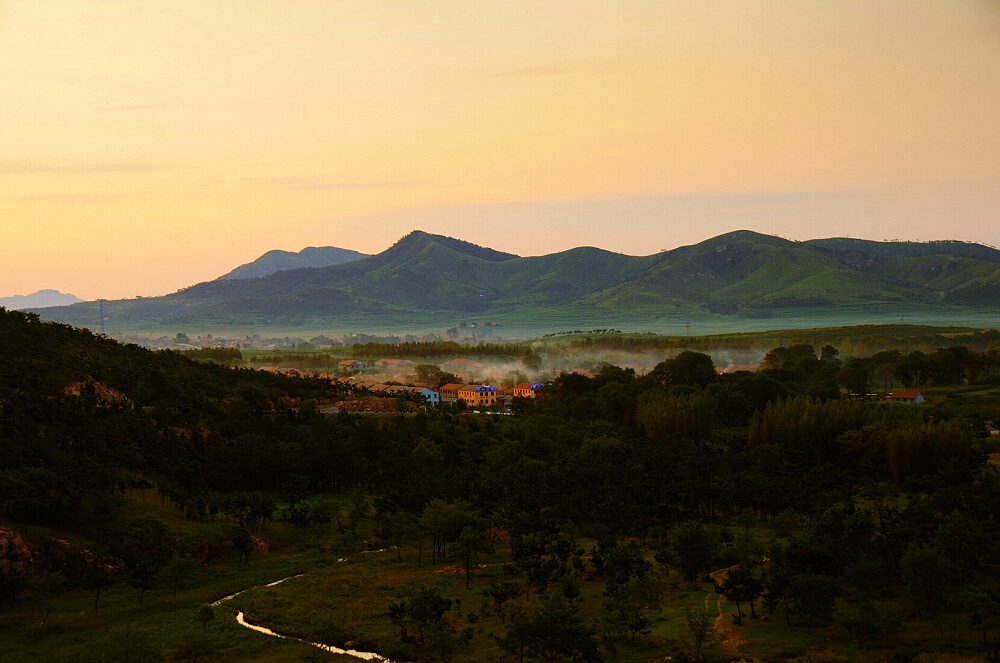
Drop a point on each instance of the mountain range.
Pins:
(279, 261)
(40, 299)
(432, 277)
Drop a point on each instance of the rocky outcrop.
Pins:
(72, 559)
(105, 395)
(14, 552)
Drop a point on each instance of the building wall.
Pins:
(474, 398)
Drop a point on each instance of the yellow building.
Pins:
(476, 395)
(526, 389)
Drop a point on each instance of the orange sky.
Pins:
(146, 146)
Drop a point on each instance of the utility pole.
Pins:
(101, 302)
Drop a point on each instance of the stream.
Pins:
(366, 655)
(241, 620)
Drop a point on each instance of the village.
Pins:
(381, 382)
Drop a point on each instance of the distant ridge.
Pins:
(279, 261)
(431, 278)
(40, 299)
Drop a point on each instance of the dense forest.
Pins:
(618, 491)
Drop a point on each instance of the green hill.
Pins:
(279, 261)
(430, 277)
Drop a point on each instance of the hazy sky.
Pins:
(146, 146)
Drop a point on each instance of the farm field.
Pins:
(536, 322)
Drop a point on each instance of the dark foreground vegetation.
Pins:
(618, 517)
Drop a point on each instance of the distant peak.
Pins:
(420, 238)
(40, 299)
(278, 260)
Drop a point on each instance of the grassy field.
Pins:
(348, 600)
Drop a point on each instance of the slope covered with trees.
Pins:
(598, 508)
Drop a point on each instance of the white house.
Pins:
(908, 397)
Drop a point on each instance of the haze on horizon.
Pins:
(148, 146)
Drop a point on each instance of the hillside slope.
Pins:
(425, 276)
(279, 261)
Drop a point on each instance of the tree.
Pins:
(874, 619)
(177, 570)
(502, 593)
(127, 645)
(814, 595)
(701, 628)
(570, 587)
(516, 637)
(194, 646)
(777, 581)
(695, 547)
(142, 576)
(928, 574)
(531, 359)
(97, 577)
(433, 375)
(664, 556)
(855, 376)
(423, 614)
(147, 545)
(206, 613)
(693, 369)
(741, 586)
(147, 538)
(628, 604)
(445, 521)
(886, 373)
(470, 543)
(913, 369)
(782, 357)
(320, 516)
(529, 558)
(242, 541)
(828, 353)
(398, 525)
(984, 604)
(557, 632)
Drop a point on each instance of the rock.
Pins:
(14, 552)
(104, 394)
(68, 558)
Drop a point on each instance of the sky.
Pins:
(146, 146)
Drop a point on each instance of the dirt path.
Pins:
(724, 626)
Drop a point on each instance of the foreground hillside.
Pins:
(679, 514)
(427, 277)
